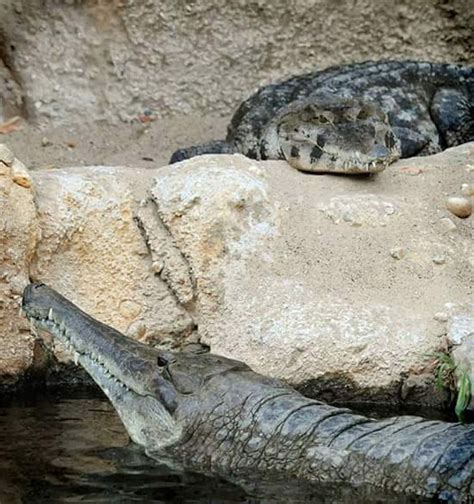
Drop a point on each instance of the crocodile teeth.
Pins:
(50, 314)
(76, 358)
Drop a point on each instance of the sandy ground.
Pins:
(133, 144)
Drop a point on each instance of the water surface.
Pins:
(61, 450)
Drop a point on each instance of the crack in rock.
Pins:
(168, 261)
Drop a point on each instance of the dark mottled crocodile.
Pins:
(215, 414)
(354, 118)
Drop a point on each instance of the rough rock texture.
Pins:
(81, 238)
(315, 279)
(18, 235)
(295, 274)
(79, 60)
(11, 95)
(92, 250)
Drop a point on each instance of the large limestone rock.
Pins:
(319, 280)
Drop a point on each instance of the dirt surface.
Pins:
(138, 144)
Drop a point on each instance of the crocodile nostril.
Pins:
(161, 361)
(38, 285)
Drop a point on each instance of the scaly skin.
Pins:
(216, 415)
(419, 108)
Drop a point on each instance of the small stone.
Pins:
(460, 328)
(6, 155)
(45, 142)
(467, 189)
(447, 224)
(20, 174)
(397, 252)
(439, 259)
(441, 317)
(461, 206)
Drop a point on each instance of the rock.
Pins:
(18, 239)
(92, 251)
(464, 358)
(441, 316)
(12, 101)
(82, 239)
(461, 206)
(45, 142)
(284, 285)
(397, 252)
(243, 46)
(266, 262)
(460, 323)
(460, 334)
(20, 174)
(6, 155)
(467, 189)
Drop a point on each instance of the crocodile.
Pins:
(354, 118)
(215, 415)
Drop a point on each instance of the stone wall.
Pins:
(82, 60)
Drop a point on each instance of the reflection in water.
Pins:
(56, 450)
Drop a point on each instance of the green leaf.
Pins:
(464, 395)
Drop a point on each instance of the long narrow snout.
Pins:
(100, 349)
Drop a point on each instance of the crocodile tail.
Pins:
(214, 147)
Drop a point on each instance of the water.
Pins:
(60, 450)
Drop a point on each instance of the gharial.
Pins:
(216, 415)
(353, 118)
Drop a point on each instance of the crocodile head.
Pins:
(327, 134)
(146, 385)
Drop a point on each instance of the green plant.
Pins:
(452, 376)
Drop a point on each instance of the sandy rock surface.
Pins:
(18, 238)
(92, 250)
(314, 279)
(296, 274)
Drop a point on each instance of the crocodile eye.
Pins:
(161, 361)
(364, 113)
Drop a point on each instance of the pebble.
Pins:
(6, 155)
(461, 206)
(439, 259)
(467, 189)
(397, 252)
(20, 174)
(45, 142)
(441, 317)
